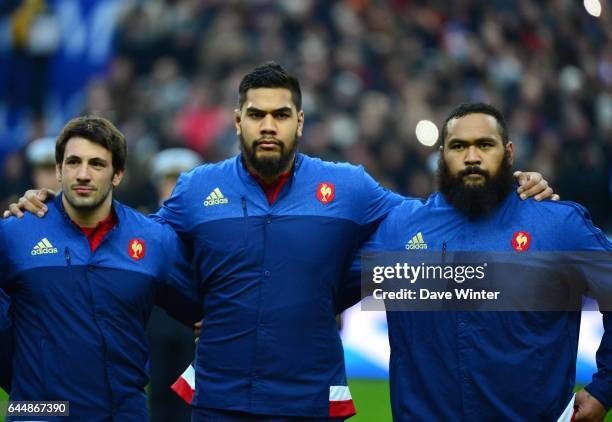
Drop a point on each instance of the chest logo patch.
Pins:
(136, 249)
(521, 241)
(325, 193)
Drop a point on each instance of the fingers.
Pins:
(545, 194)
(539, 190)
(588, 408)
(555, 197)
(32, 201)
(521, 177)
(14, 210)
(527, 180)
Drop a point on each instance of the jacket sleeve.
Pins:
(173, 211)
(350, 291)
(4, 257)
(6, 342)
(597, 272)
(178, 290)
(379, 201)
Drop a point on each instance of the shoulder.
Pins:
(13, 226)
(566, 210)
(335, 168)
(571, 220)
(137, 225)
(133, 218)
(405, 213)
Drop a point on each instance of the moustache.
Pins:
(473, 170)
(267, 141)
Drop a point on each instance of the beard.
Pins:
(268, 166)
(480, 200)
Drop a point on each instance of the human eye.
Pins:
(98, 164)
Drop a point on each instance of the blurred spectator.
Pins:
(40, 155)
(166, 167)
(171, 343)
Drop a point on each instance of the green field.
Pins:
(371, 398)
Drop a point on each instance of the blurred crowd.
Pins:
(370, 70)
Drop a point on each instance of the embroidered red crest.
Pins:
(325, 193)
(521, 241)
(136, 249)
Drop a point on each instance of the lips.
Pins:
(268, 144)
(83, 190)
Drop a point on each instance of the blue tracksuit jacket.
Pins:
(518, 366)
(79, 317)
(6, 342)
(272, 280)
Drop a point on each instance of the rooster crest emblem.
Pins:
(325, 193)
(136, 249)
(521, 241)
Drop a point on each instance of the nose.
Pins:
(472, 157)
(83, 173)
(268, 125)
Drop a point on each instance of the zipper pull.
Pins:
(443, 250)
(67, 255)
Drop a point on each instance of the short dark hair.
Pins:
(476, 108)
(270, 75)
(97, 130)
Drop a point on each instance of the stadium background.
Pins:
(166, 72)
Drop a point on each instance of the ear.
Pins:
(58, 172)
(300, 127)
(117, 178)
(237, 120)
(510, 150)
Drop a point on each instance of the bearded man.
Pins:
(483, 365)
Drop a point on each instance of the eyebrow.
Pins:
(93, 159)
(475, 141)
(278, 110)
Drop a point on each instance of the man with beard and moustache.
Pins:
(469, 365)
(83, 282)
(273, 233)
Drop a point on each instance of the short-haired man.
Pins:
(83, 282)
(489, 365)
(273, 234)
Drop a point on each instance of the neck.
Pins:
(88, 218)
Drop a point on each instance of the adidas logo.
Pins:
(43, 247)
(215, 198)
(416, 242)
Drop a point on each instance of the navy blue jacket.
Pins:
(489, 365)
(80, 317)
(272, 281)
(6, 342)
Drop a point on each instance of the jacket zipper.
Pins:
(68, 258)
(443, 251)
